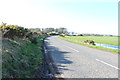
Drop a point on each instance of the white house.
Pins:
(73, 34)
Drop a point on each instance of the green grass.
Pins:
(14, 42)
(22, 59)
(97, 39)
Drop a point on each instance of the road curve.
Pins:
(77, 61)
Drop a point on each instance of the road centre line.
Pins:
(71, 48)
(107, 64)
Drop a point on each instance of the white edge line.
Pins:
(107, 64)
(45, 50)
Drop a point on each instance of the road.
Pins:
(77, 61)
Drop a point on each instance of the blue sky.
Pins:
(83, 16)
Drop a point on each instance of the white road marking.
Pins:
(71, 48)
(108, 64)
(45, 50)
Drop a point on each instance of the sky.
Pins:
(82, 16)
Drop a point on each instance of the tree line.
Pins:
(50, 30)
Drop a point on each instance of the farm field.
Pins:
(97, 39)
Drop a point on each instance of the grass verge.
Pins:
(77, 40)
(21, 58)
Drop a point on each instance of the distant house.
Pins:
(73, 34)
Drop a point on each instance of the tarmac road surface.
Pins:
(77, 61)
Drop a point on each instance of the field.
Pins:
(97, 39)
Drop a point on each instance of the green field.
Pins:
(97, 39)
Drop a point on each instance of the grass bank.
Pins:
(98, 39)
(21, 58)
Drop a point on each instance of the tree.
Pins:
(47, 30)
(12, 31)
(62, 30)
